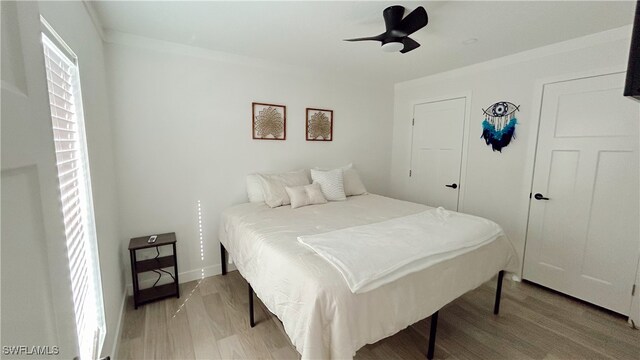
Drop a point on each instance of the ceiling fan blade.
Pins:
(413, 22)
(409, 44)
(375, 38)
(392, 16)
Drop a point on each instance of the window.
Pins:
(65, 102)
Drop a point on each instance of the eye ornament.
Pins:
(499, 125)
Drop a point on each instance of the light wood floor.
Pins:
(210, 321)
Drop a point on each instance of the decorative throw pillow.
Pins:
(314, 191)
(331, 182)
(352, 183)
(305, 195)
(273, 186)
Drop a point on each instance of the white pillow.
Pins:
(254, 188)
(305, 195)
(273, 186)
(352, 183)
(331, 182)
(351, 179)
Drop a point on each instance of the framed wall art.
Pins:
(319, 125)
(269, 121)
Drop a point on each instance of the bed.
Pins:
(322, 316)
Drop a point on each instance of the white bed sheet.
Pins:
(322, 317)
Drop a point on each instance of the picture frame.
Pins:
(319, 124)
(269, 121)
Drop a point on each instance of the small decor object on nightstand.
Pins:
(269, 121)
(157, 265)
(319, 125)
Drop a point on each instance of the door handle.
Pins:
(453, 186)
(539, 196)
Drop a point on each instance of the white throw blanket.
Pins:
(372, 255)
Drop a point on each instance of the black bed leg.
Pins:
(432, 335)
(223, 259)
(496, 306)
(252, 322)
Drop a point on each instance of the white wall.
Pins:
(182, 126)
(497, 185)
(34, 267)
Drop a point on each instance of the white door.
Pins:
(436, 152)
(583, 231)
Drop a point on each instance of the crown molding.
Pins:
(95, 19)
(607, 36)
(137, 41)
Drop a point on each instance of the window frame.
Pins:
(57, 44)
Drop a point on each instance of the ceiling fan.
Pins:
(396, 38)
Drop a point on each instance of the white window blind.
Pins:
(75, 193)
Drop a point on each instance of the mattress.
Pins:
(322, 317)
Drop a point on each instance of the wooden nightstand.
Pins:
(143, 296)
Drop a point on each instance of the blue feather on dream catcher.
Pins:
(499, 125)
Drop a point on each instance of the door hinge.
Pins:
(413, 122)
(633, 290)
(409, 172)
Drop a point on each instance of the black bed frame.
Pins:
(434, 316)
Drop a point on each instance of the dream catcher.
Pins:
(499, 125)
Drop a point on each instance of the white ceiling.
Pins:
(310, 33)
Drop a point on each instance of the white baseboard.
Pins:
(184, 277)
(116, 341)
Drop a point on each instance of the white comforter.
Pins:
(369, 256)
(322, 317)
